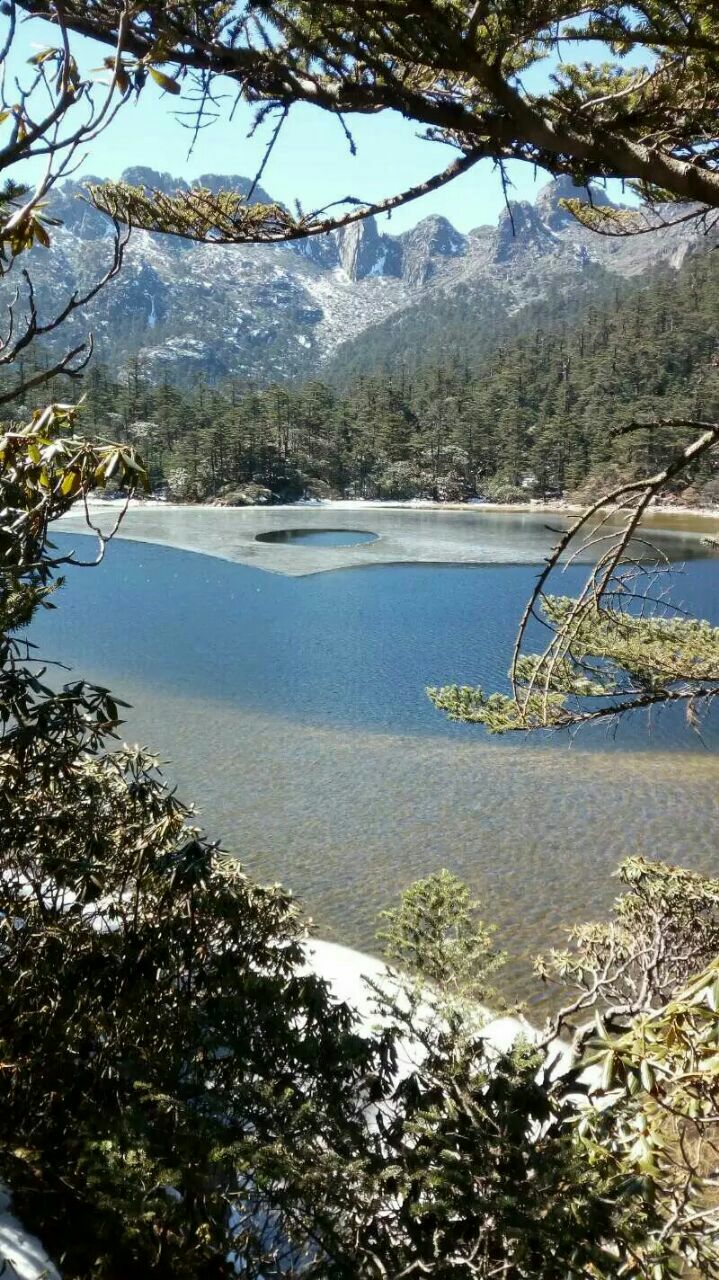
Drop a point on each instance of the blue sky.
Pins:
(311, 161)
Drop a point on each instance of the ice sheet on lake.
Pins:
(418, 535)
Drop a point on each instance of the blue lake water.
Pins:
(355, 648)
(293, 710)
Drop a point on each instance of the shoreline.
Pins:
(534, 507)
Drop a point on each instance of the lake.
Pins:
(291, 705)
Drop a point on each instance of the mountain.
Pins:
(509, 279)
(329, 304)
(538, 416)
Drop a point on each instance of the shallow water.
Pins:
(294, 709)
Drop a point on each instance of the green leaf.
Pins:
(610, 1063)
(41, 234)
(165, 82)
(713, 996)
(38, 58)
(110, 466)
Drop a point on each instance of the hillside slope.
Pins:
(336, 304)
(536, 416)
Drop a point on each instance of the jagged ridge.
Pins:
(348, 298)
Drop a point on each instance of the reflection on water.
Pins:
(293, 710)
(318, 537)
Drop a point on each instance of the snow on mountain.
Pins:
(269, 312)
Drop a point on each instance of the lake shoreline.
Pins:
(556, 507)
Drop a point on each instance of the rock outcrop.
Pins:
(275, 312)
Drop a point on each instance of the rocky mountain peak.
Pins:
(521, 228)
(269, 312)
(361, 249)
(432, 238)
(439, 234)
(552, 213)
(141, 175)
(232, 182)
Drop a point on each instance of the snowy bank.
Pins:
(349, 975)
(22, 1257)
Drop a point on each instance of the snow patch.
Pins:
(377, 268)
(22, 1257)
(152, 317)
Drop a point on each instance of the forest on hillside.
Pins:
(542, 413)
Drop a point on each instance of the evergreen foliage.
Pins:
(538, 416)
(436, 934)
(460, 69)
(613, 655)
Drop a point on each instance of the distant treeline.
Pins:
(541, 415)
